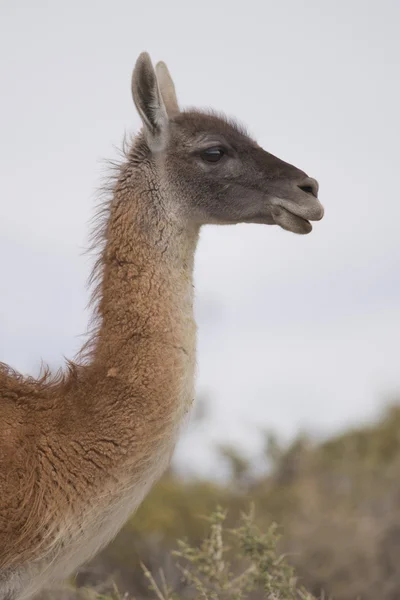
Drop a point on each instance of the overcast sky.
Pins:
(294, 332)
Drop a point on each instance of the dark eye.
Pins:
(212, 154)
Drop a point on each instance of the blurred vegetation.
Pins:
(337, 503)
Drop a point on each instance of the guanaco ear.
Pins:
(167, 89)
(149, 102)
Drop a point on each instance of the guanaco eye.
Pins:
(212, 154)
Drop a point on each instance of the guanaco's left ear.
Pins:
(149, 102)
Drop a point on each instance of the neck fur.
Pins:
(145, 271)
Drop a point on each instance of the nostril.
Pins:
(307, 188)
(310, 186)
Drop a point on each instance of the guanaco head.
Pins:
(212, 168)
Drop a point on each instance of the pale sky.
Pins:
(294, 332)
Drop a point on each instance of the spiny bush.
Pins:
(229, 564)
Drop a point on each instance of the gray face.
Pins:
(212, 168)
(223, 176)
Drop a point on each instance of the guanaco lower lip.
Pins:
(306, 208)
(289, 221)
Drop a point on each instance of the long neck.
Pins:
(147, 268)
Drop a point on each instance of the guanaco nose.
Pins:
(310, 186)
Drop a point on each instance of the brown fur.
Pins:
(81, 448)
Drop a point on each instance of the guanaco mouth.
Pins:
(289, 221)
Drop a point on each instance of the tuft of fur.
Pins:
(220, 120)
